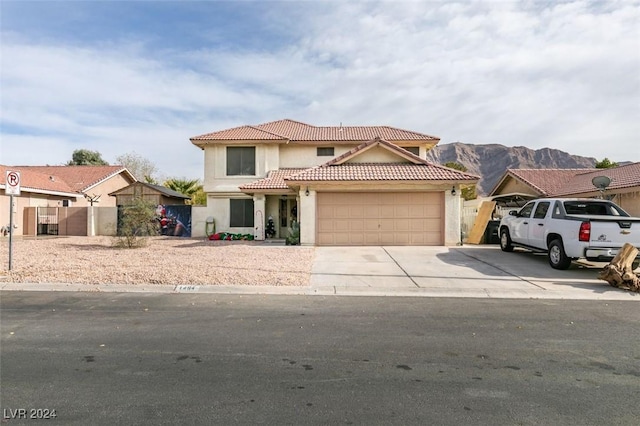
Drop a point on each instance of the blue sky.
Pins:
(144, 76)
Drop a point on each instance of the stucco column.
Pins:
(258, 216)
(91, 221)
(307, 213)
(452, 217)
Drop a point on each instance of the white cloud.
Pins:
(564, 76)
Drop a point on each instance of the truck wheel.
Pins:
(505, 240)
(557, 257)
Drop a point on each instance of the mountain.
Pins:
(492, 160)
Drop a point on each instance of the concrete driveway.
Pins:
(466, 271)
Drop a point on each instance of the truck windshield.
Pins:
(593, 208)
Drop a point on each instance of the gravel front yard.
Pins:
(165, 260)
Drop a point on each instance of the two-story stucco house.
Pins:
(364, 185)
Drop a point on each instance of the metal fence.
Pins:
(47, 220)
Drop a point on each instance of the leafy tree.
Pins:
(199, 198)
(142, 168)
(85, 157)
(605, 164)
(190, 187)
(136, 224)
(468, 191)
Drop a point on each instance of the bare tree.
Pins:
(142, 168)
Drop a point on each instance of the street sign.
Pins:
(12, 183)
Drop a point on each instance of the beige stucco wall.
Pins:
(199, 215)
(630, 202)
(105, 220)
(377, 155)
(218, 207)
(511, 186)
(293, 155)
(215, 167)
(25, 199)
(19, 203)
(103, 189)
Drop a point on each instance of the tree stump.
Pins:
(619, 273)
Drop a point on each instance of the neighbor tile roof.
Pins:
(621, 177)
(80, 178)
(274, 180)
(563, 182)
(33, 181)
(545, 181)
(381, 172)
(295, 131)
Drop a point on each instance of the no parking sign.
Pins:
(12, 183)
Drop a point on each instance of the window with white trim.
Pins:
(241, 160)
(241, 213)
(325, 151)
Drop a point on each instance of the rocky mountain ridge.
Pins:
(490, 161)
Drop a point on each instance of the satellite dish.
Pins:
(601, 182)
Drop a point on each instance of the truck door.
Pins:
(520, 229)
(537, 225)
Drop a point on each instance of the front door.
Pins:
(288, 213)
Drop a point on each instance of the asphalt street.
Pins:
(124, 358)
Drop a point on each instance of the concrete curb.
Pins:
(478, 293)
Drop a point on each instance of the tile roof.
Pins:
(381, 172)
(80, 178)
(563, 182)
(295, 131)
(34, 181)
(274, 180)
(545, 181)
(413, 168)
(626, 176)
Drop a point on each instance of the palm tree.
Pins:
(189, 187)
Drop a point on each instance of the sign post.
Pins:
(11, 188)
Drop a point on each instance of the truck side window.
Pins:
(541, 210)
(526, 210)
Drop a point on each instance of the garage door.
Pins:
(380, 218)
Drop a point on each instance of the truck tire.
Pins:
(557, 257)
(505, 240)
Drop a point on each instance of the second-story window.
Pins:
(241, 160)
(415, 150)
(325, 151)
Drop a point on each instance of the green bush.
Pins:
(293, 239)
(137, 223)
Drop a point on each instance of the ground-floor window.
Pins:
(241, 213)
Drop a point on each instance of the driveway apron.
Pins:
(467, 271)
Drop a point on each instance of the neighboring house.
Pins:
(624, 189)
(60, 186)
(364, 185)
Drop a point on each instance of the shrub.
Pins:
(136, 223)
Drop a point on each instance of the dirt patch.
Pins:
(94, 260)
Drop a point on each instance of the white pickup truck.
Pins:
(568, 229)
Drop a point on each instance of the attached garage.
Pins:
(380, 218)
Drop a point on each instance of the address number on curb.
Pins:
(187, 288)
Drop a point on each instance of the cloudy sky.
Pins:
(143, 76)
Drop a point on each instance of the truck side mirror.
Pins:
(513, 212)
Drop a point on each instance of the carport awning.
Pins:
(513, 199)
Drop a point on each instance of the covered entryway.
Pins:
(380, 218)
